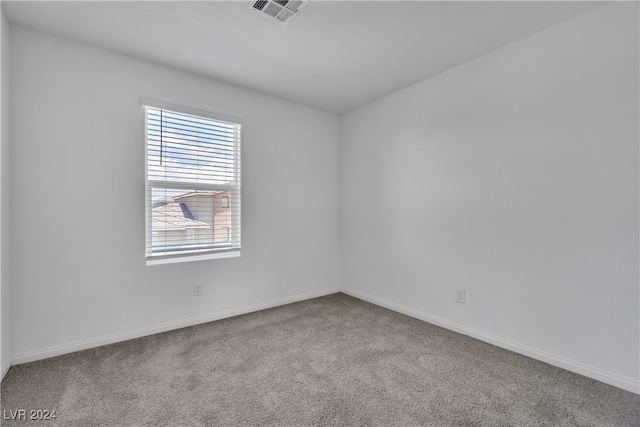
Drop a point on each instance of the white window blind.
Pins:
(192, 185)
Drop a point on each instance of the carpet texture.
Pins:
(333, 360)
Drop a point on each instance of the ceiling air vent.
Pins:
(282, 11)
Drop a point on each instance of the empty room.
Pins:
(309, 213)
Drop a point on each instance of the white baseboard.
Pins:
(606, 377)
(58, 350)
(5, 369)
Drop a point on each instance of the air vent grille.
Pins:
(259, 4)
(283, 11)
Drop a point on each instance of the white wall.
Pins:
(515, 177)
(5, 291)
(77, 177)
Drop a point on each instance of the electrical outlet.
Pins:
(460, 295)
(197, 289)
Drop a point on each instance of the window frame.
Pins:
(234, 189)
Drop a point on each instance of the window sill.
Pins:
(189, 258)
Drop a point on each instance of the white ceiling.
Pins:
(334, 55)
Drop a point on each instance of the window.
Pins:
(192, 159)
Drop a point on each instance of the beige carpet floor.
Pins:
(333, 360)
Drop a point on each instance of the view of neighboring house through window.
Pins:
(193, 185)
